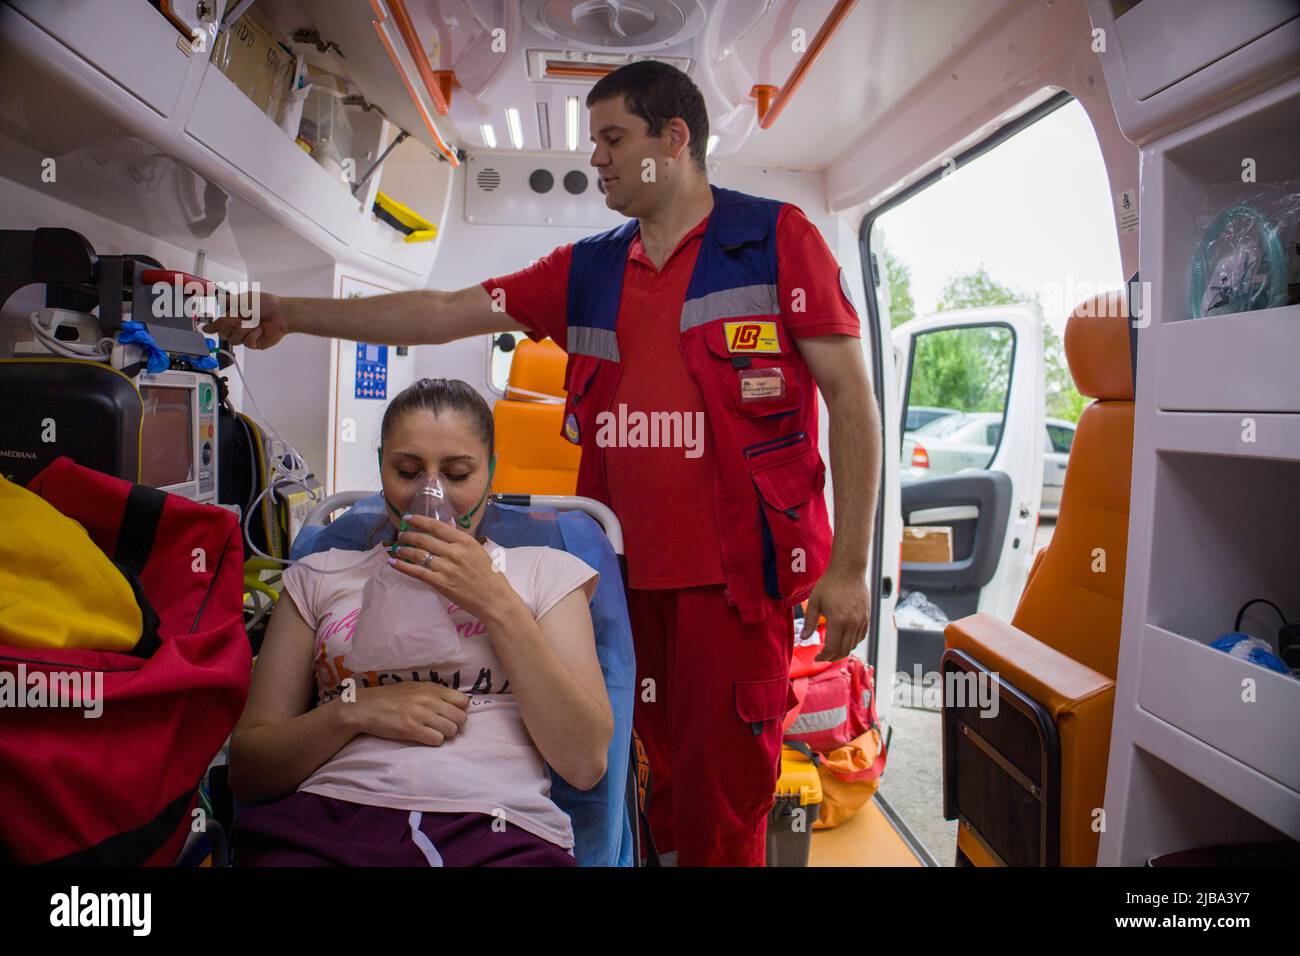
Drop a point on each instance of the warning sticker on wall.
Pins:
(1126, 211)
(372, 371)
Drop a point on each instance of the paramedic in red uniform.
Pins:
(699, 334)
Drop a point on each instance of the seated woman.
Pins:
(444, 762)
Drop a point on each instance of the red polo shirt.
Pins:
(664, 496)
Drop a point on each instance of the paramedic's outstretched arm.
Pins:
(279, 743)
(842, 595)
(421, 317)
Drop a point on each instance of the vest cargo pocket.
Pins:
(785, 488)
(758, 701)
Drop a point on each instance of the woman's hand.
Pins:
(418, 711)
(460, 570)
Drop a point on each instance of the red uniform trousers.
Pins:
(711, 694)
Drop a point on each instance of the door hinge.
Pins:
(875, 270)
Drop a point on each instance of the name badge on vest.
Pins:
(757, 384)
(571, 428)
(752, 337)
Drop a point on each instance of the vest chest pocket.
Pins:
(786, 486)
(755, 370)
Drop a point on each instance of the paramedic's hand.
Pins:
(254, 319)
(419, 711)
(845, 601)
(461, 569)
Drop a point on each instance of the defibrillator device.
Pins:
(115, 376)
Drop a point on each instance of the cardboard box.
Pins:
(249, 54)
(927, 545)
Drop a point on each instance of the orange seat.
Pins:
(532, 457)
(1055, 662)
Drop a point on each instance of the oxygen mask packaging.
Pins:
(403, 622)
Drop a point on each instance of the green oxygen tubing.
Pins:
(1240, 293)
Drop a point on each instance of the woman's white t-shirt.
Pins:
(492, 765)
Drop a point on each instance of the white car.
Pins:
(1060, 436)
(964, 440)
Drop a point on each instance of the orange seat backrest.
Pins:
(1073, 601)
(532, 456)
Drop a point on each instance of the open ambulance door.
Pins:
(971, 410)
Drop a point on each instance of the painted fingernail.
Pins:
(392, 562)
(406, 517)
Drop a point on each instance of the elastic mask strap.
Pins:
(463, 522)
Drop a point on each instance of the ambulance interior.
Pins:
(1018, 193)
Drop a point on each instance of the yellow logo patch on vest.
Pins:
(751, 337)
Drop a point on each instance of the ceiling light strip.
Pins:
(571, 122)
(544, 124)
(515, 126)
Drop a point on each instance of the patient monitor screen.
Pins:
(167, 436)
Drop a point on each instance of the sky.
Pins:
(1036, 211)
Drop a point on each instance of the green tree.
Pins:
(966, 369)
(1062, 399)
(978, 288)
(899, 276)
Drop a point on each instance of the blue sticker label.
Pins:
(372, 371)
(571, 428)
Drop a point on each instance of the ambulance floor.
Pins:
(865, 839)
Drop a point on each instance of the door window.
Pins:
(957, 391)
(1061, 438)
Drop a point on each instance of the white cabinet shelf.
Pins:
(231, 125)
(107, 81)
(1205, 748)
(1241, 362)
(1184, 792)
(1203, 696)
(1249, 362)
(134, 45)
(1228, 434)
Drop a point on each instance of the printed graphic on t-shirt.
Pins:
(468, 673)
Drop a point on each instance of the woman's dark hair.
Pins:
(437, 395)
(657, 92)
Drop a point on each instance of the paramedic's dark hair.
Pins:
(437, 395)
(656, 92)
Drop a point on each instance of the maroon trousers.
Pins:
(711, 695)
(307, 829)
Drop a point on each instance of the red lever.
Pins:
(174, 276)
